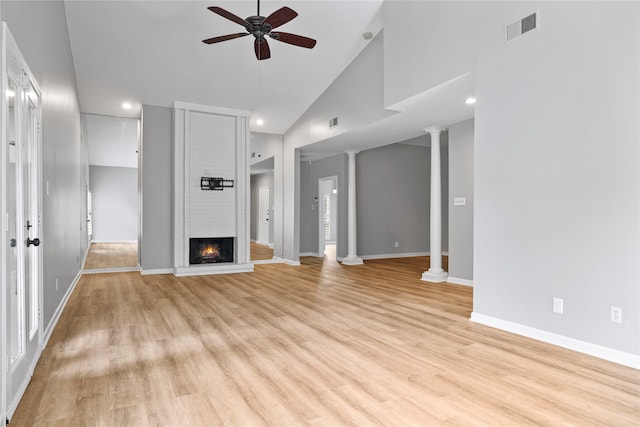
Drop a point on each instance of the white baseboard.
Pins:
(456, 281)
(110, 270)
(615, 356)
(288, 261)
(273, 260)
(155, 271)
(399, 255)
(56, 316)
(315, 254)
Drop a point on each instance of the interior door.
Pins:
(21, 141)
(263, 215)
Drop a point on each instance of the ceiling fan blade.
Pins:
(262, 49)
(224, 38)
(280, 17)
(293, 39)
(230, 16)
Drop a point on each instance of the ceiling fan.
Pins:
(259, 27)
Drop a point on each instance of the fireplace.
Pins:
(210, 250)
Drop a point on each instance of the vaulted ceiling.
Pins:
(151, 52)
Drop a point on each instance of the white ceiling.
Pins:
(151, 52)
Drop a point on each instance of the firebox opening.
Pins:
(210, 250)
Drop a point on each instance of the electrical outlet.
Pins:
(396, 244)
(616, 314)
(558, 305)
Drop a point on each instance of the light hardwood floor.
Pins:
(260, 252)
(319, 345)
(111, 255)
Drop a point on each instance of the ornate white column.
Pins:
(352, 252)
(435, 272)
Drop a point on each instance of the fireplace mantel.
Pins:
(211, 142)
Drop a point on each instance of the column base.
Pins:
(353, 260)
(436, 277)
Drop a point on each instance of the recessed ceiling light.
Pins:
(367, 36)
(470, 101)
(126, 106)
(259, 122)
(10, 93)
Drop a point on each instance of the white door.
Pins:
(21, 140)
(263, 215)
(327, 212)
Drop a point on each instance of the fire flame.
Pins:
(210, 251)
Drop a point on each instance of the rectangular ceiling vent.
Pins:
(333, 122)
(521, 26)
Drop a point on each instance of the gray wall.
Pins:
(40, 31)
(156, 183)
(114, 194)
(257, 181)
(557, 188)
(392, 196)
(310, 173)
(461, 185)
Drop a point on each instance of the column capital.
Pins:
(434, 129)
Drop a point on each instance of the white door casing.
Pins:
(21, 212)
(263, 215)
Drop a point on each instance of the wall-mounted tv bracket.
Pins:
(216, 184)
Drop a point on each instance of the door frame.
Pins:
(9, 404)
(261, 221)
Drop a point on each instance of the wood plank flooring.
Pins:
(260, 252)
(316, 345)
(111, 255)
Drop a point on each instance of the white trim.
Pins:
(273, 260)
(401, 255)
(457, 281)
(110, 270)
(156, 271)
(58, 312)
(288, 261)
(612, 355)
(315, 254)
(210, 109)
(216, 268)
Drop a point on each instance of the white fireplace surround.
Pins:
(210, 142)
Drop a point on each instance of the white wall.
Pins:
(112, 141)
(266, 146)
(356, 97)
(557, 176)
(114, 196)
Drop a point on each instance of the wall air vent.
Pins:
(521, 26)
(333, 122)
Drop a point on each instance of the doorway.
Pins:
(112, 194)
(328, 216)
(22, 201)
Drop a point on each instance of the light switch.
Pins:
(459, 201)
